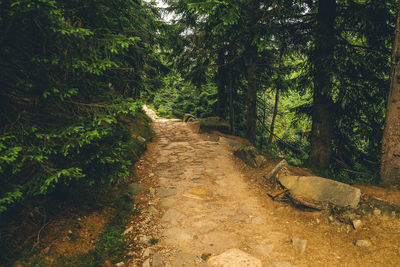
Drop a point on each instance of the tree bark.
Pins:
(390, 162)
(322, 59)
(251, 116)
(221, 84)
(271, 134)
(231, 107)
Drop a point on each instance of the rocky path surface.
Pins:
(205, 211)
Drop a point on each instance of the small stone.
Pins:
(145, 239)
(157, 260)
(166, 192)
(172, 216)
(147, 252)
(141, 139)
(257, 220)
(120, 264)
(377, 212)
(205, 256)
(135, 189)
(152, 191)
(363, 243)
(69, 232)
(153, 210)
(146, 263)
(184, 259)
(299, 244)
(357, 224)
(79, 219)
(234, 258)
(331, 219)
(282, 264)
(127, 231)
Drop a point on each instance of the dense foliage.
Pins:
(70, 79)
(308, 67)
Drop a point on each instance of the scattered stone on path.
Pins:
(176, 235)
(363, 243)
(197, 193)
(234, 258)
(128, 230)
(184, 260)
(144, 239)
(120, 264)
(157, 260)
(377, 212)
(166, 192)
(257, 220)
(172, 216)
(322, 190)
(356, 224)
(152, 210)
(146, 263)
(282, 264)
(251, 156)
(135, 189)
(299, 244)
(220, 240)
(205, 226)
(147, 252)
(205, 256)
(214, 124)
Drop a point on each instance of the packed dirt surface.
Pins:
(202, 202)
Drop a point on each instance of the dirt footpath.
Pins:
(202, 202)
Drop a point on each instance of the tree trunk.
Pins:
(390, 162)
(274, 117)
(251, 118)
(321, 136)
(231, 107)
(221, 84)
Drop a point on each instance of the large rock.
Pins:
(251, 156)
(135, 189)
(214, 124)
(234, 258)
(322, 190)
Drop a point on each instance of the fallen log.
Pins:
(277, 168)
(299, 201)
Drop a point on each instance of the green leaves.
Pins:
(70, 70)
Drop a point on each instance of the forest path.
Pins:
(202, 204)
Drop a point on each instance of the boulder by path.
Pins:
(322, 190)
(214, 124)
(250, 155)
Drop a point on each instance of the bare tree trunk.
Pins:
(390, 162)
(271, 134)
(321, 136)
(231, 107)
(221, 83)
(251, 118)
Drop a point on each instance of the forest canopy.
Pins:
(305, 80)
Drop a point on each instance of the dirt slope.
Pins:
(202, 201)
